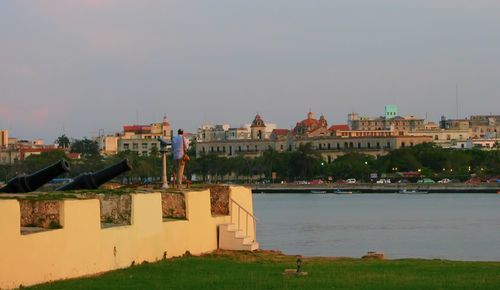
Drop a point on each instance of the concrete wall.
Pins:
(81, 247)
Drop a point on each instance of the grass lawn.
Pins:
(263, 270)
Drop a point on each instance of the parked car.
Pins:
(351, 180)
(301, 182)
(444, 180)
(383, 181)
(341, 181)
(426, 180)
(493, 180)
(473, 180)
(316, 181)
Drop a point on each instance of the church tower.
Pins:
(258, 128)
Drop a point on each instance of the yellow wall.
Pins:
(81, 247)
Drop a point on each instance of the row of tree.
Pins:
(303, 164)
(306, 163)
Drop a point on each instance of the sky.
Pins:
(80, 66)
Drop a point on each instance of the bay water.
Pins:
(432, 226)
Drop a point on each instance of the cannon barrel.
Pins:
(28, 183)
(94, 180)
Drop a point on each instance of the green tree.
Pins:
(63, 141)
(270, 160)
(352, 165)
(305, 162)
(86, 147)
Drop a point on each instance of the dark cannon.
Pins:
(28, 183)
(94, 180)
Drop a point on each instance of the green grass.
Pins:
(264, 271)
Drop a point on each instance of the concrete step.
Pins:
(230, 238)
(250, 247)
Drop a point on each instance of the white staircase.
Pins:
(240, 233)
(230, 238)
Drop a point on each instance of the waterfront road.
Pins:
(377, 188)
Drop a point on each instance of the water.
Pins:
(442, 226)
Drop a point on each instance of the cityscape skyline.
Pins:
(122, 62)
(244, 124)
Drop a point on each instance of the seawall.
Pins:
(83, 246)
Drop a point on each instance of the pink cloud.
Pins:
(5, 112)
(38, 115)
(20, 115)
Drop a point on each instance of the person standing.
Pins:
(179, 147)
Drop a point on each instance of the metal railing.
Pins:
(247, 214)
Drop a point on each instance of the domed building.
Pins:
(312, 127)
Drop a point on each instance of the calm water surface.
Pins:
(445, 226)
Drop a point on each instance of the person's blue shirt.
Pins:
(177, 146)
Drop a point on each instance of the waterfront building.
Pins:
(4, 138)
(9, 156)
(477, 127)
(330, 142)
(311, 127)
(142, 138)
(400, 125)
(485, 126)
(484, 144)
(108, 144)
(391, 111)
(330, 147)
(446, 138)
(456, 124)
(257, 130)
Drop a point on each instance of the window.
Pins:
(281, 146)
(378, 144)
(144, 153)
(369, 145)
(403, 144)
(125, 146)
(135, 146)
(359, 145)
(388, 144)
(338, 145)
(144, 145)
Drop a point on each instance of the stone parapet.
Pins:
(82, 247)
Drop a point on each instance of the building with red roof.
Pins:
(311, 127)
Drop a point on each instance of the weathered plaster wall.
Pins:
(81, 247)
